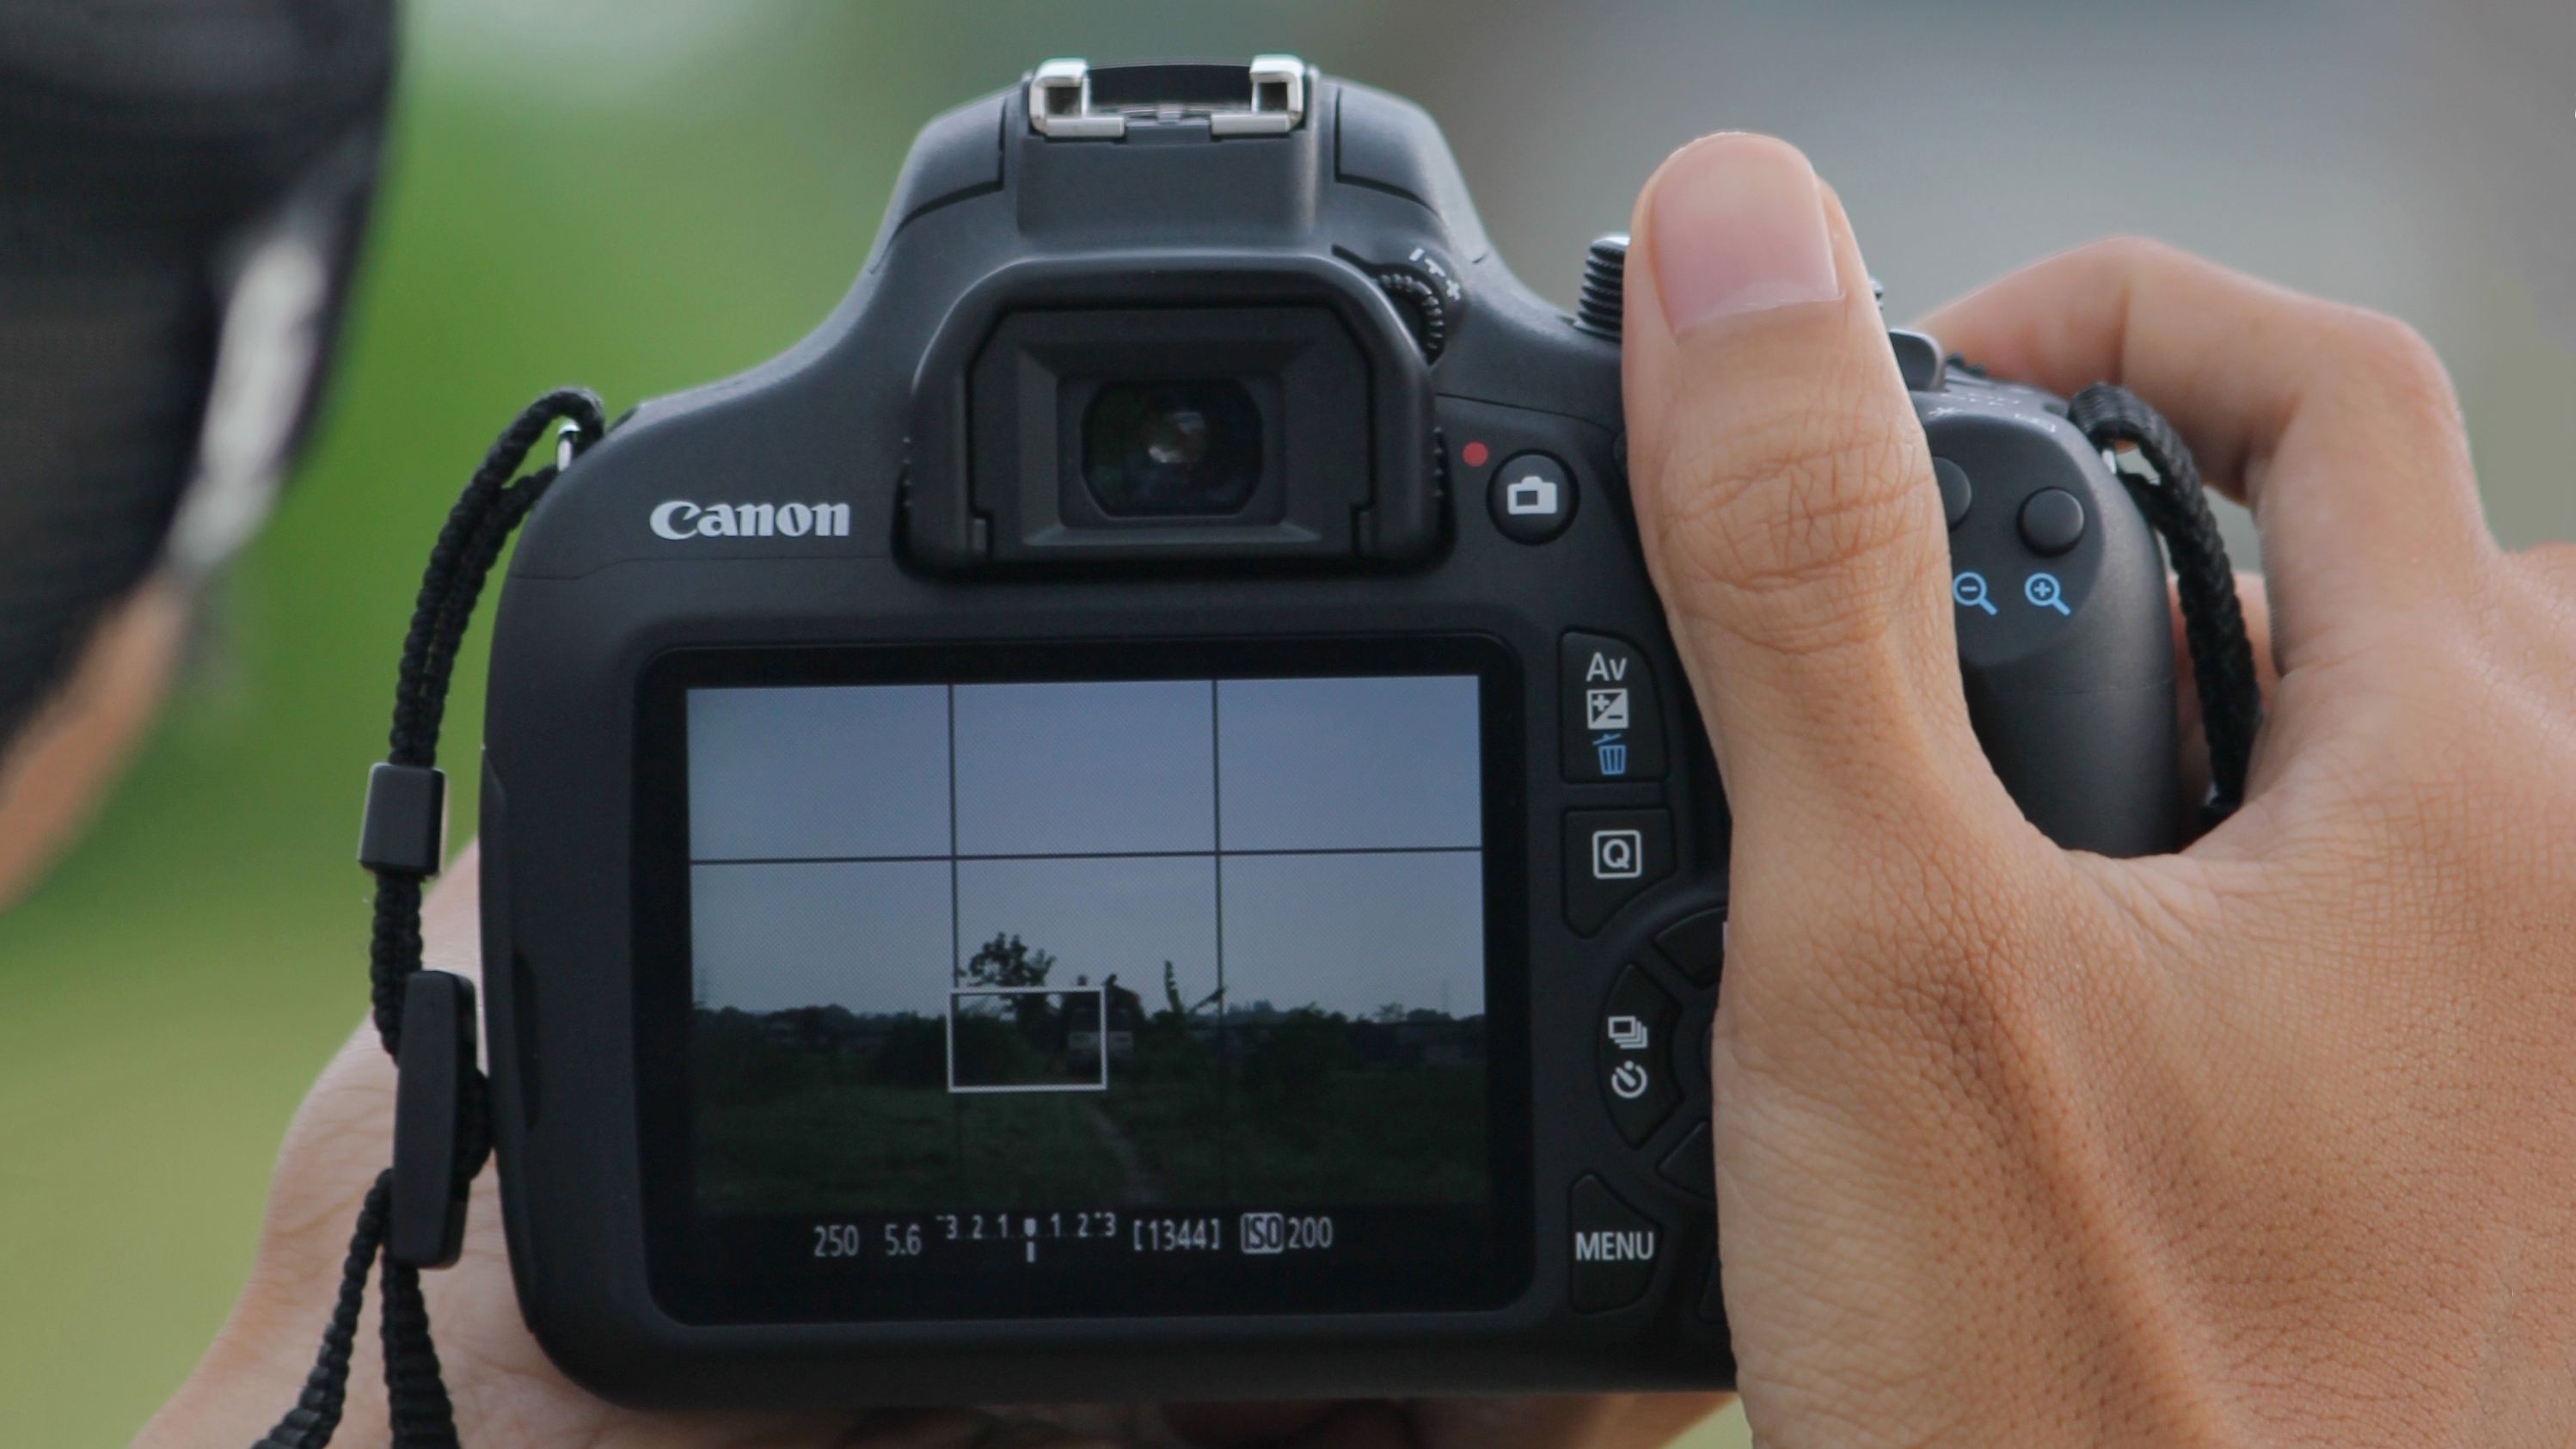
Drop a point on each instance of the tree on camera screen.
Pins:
(1094, 943)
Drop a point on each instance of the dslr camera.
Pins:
(1122, 822)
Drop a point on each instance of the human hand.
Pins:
(508, 1395)
(2273, 1141)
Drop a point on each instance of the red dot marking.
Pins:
(1474, 454)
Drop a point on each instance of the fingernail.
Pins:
(1740, 227)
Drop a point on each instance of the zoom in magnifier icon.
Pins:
(2044, 591)
(1969, 589)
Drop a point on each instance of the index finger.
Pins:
(2337, 426)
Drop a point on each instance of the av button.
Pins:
(1632, 1050)
(1616, 1249)
(1610, 721)
(1531, 497)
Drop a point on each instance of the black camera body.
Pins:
(1122, 821)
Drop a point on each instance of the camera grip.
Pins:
(2065, 640)
(2094, 768)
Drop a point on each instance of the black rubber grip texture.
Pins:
(2222, 657)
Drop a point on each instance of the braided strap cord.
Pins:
(415, 1395)
(482, 521)
(490, 509)
(2161, 476)
(316, 1415)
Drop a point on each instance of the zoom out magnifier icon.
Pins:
(1969, 588)
(2044, 591)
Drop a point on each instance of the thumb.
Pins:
(1785, 500)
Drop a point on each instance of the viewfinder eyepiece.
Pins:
(1075, 413)
(1176, 449)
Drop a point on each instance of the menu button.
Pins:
(1616, 1248)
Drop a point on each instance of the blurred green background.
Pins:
(644, 195)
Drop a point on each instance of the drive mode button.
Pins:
(1610, 719)
(1632, 1050)
(1615, 1249)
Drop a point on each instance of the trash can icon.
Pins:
(1613, 752)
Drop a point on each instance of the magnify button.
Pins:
(2046, 592)
(1969, 589)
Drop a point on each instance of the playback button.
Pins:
(1633, 1050)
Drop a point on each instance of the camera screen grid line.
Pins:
(956, 938)
(1094, 855)
(1216, 836)
(1207, 939)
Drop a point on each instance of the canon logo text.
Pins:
(679, 518)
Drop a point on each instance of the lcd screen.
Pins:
(1143, 975)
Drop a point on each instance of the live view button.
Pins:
(1531, 498)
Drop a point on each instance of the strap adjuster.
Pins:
(405, 829)
(426, 1225)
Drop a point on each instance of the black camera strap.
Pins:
(414, 1216)
(2158, 470)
